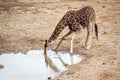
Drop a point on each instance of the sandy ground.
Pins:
(25, 24)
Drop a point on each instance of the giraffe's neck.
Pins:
(60, 26)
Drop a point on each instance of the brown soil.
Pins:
(25, 25)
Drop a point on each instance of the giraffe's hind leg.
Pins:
(89, 35)
(70, 32)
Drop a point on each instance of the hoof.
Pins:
(53, 49)
(65, 65)
(86, 47)
(56, 51)
(71, 52)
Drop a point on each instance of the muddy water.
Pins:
(32, 66)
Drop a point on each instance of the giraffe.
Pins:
(76, 21)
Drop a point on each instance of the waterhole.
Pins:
(32, 66)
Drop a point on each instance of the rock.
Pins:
(49, 78)
(1, 66)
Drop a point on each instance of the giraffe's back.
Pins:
(82, 16)
(85, 15)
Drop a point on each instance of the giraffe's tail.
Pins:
(96, 31)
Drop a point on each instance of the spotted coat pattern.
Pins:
(74, 20)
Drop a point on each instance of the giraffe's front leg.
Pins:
(89, 36)
(70, 32)
(71, 47)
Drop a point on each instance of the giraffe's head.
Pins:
(45, 46)
(47, 43)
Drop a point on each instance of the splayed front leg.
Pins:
(71, 49)
(63, 38)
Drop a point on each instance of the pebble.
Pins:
(1, 66)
